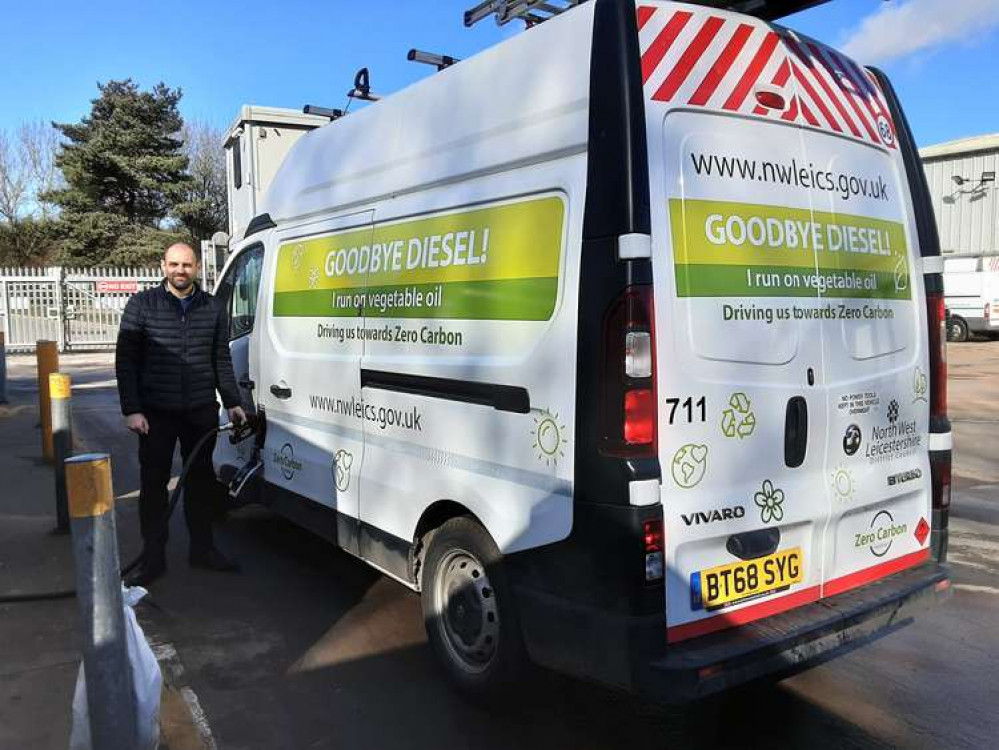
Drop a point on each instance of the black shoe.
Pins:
(214, 560)
(146, 573)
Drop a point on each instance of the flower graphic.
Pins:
(770, 501)
(313, 277)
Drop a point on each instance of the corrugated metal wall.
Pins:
(967, 215)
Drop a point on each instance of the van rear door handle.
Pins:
(796, 432)
(281, 392)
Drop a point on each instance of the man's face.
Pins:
(180, 267)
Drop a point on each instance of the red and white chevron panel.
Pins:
(694, 57)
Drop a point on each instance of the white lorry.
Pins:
(620, 342)
(971, 292)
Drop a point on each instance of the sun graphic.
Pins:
(548, 434)
(843, 485)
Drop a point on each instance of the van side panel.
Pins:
(455, 305)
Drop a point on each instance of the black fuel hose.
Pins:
(41, 596)
(161, 528)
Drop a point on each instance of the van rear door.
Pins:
(875, 357)
(777, 301)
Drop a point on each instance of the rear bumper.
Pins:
(631, 652)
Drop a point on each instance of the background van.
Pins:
(620, 342)
(971, 289)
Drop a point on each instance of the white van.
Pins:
(620, 342)
(971, 293)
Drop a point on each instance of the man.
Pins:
(172, 356)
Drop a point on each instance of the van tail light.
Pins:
(988, 310)
(937, 319)
(629, 409)
(940, 481)
(653, 534)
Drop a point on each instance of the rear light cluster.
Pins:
(940, 482)
(937, 318)
(940, 461)
(653, 534)
(630, 416)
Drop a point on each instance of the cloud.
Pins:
(901, 29)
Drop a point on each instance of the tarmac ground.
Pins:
(310, 648)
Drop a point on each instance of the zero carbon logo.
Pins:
(881, 535)
(852, 440)
(285, 460)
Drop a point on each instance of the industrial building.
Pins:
(962, 180)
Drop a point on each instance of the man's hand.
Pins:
(236, 415)
(137, 423)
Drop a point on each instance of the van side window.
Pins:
(242, 284)
(237, 163)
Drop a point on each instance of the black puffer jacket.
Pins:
(169, 361)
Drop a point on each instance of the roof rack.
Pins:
(533, 12)
(530, 12)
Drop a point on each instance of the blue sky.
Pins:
(941, 55)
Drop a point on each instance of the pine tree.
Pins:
(124, 169)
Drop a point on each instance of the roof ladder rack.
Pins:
(530, 12)
(533, 12)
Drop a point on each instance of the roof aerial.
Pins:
(534, 12)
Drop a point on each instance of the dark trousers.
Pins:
(155, 462)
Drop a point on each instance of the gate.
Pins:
(80, 308)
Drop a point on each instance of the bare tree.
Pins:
(15, 180)
(39, 144)
(27, 172)
(205, 208)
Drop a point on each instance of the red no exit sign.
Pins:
(128, 287)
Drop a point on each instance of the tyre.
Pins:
(469, 612)
(957, 330)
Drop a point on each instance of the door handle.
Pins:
(247, 383)
(281, 392)
(796, 432)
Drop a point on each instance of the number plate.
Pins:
(727, 584)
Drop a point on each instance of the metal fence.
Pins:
(80, 308)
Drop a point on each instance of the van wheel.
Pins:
(957, 330)
(468, 611)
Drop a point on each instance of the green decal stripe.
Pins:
(712, 280)
(705, 232)
(504, 299)
(508, 241)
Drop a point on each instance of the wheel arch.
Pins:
(433, 517)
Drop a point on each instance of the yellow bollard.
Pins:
(110, 692)
(60, 391)
(88, 485)
(47, 356)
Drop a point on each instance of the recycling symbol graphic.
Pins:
(739, 420)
